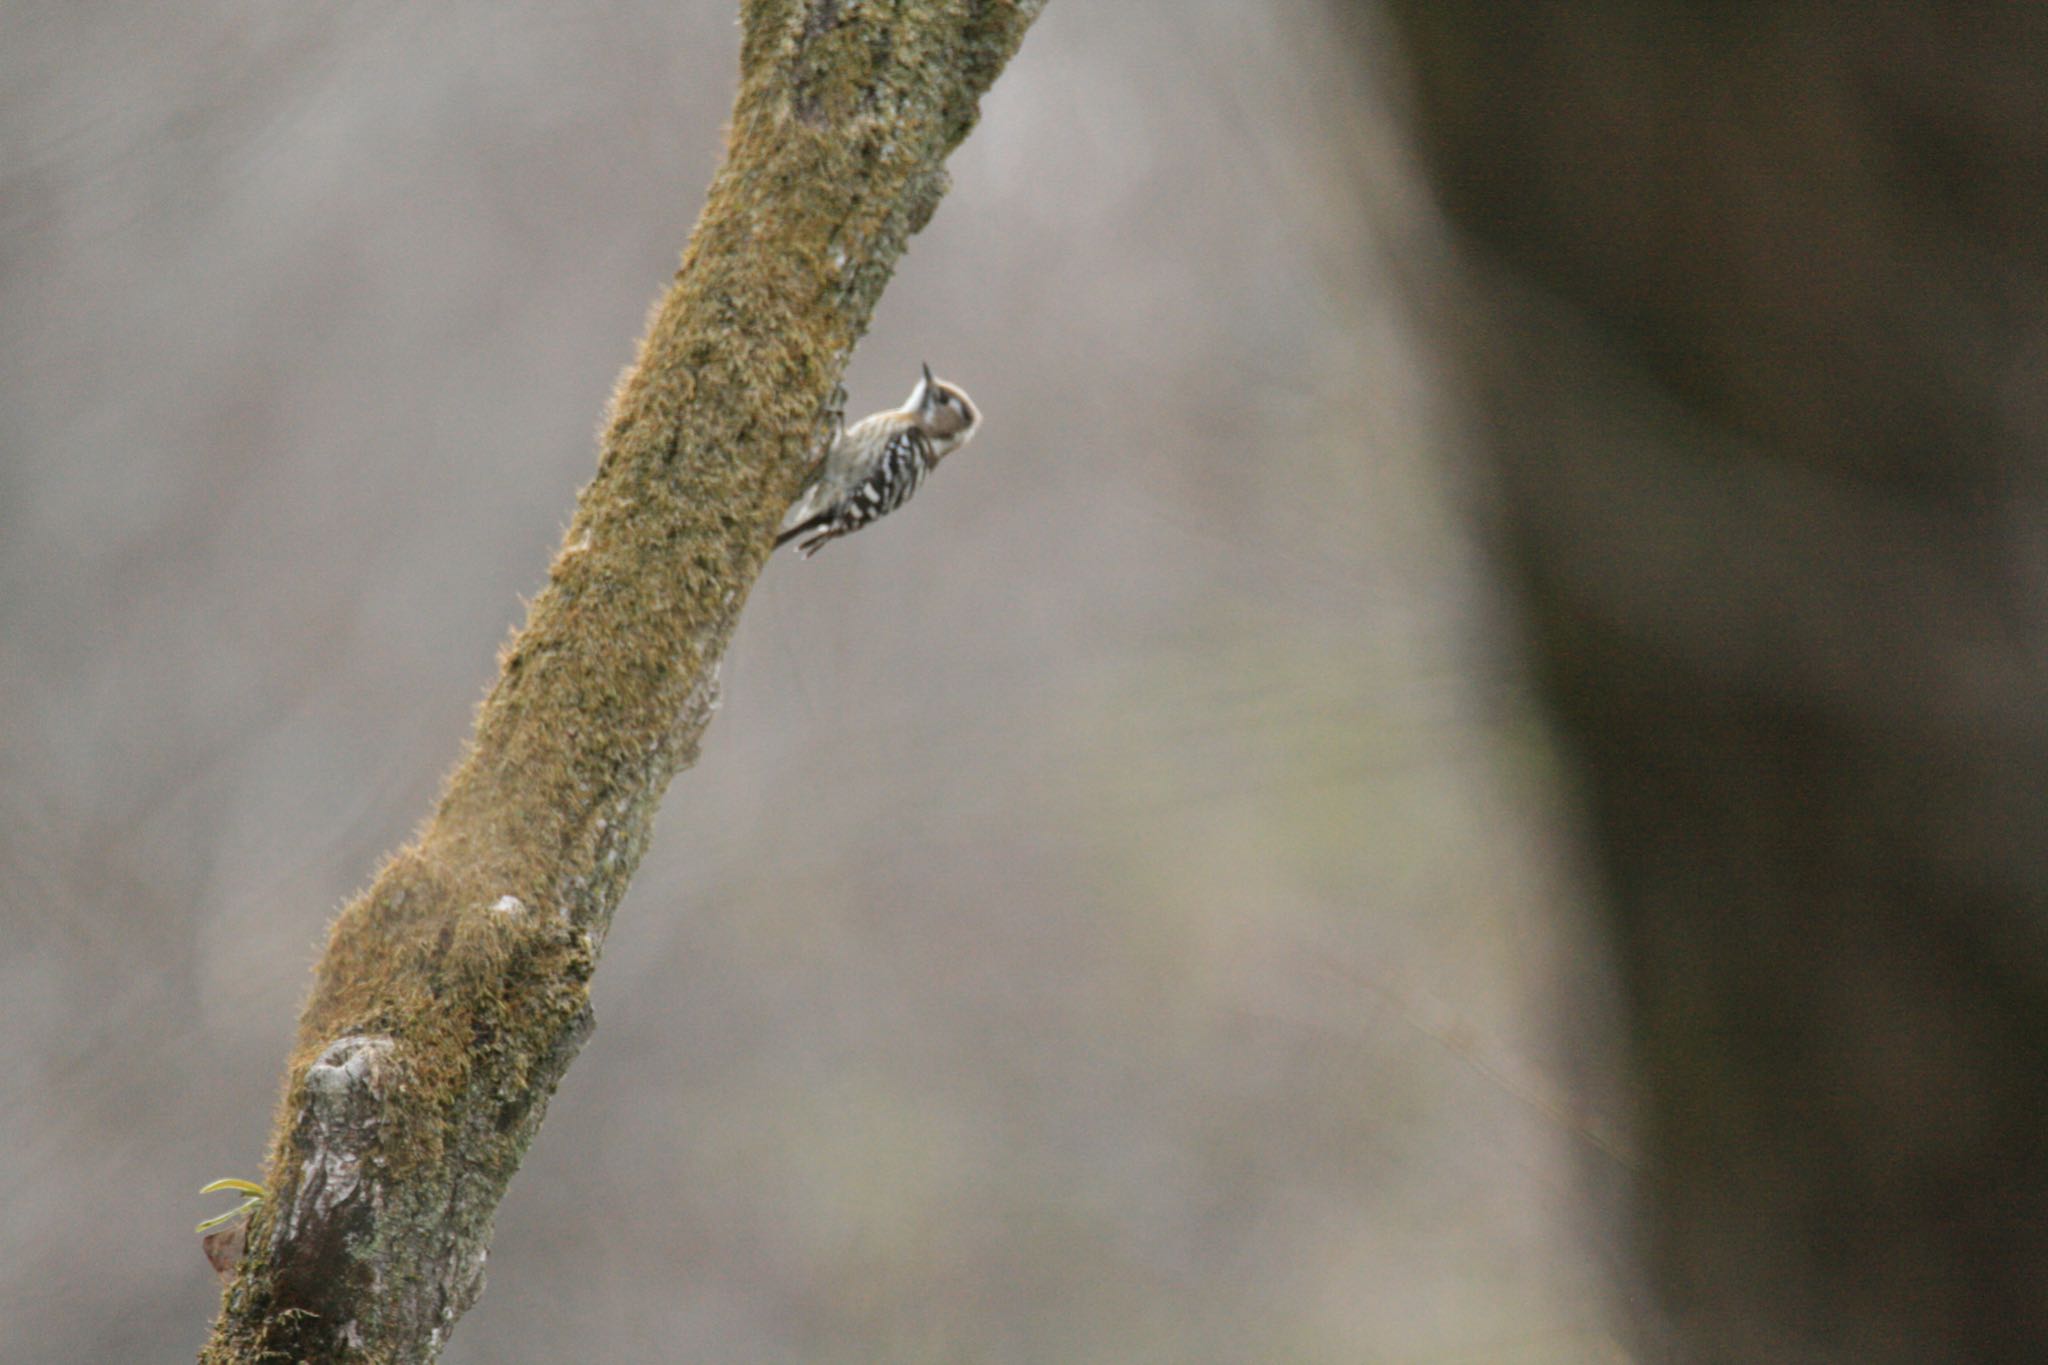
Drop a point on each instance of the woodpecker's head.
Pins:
(945, 412)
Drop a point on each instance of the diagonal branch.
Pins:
(453, 993)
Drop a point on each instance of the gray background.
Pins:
(1109, 922)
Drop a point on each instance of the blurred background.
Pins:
(1116, 916)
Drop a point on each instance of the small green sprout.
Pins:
(257, 1194)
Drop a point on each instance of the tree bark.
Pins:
(454, 992)
(1755, 321)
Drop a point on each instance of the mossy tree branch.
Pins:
(453, 993)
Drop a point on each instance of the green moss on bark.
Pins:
(454, 991)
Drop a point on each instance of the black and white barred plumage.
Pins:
(873, 467)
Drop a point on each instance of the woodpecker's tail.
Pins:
(791, 532)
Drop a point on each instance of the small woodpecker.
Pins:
(872, 467)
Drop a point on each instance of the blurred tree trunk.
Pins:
(1754, 312)
(454, 992)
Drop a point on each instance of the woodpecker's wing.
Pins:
(889, 479)
(840, 471)
(885, 473)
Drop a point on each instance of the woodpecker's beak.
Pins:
(923, 390)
